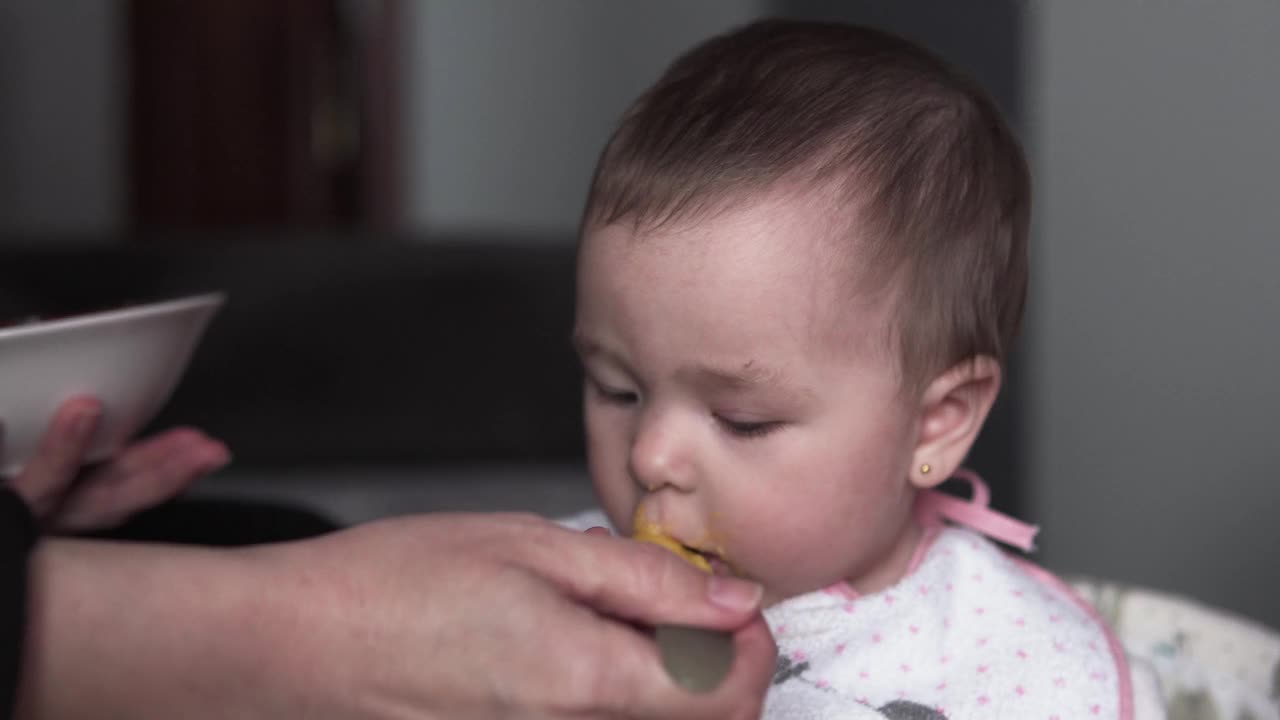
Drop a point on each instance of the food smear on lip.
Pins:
(646, 530)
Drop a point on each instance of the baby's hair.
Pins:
(921, 161)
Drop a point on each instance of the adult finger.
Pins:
(634, 684)
(58, 458)
(144, 474)
(754, 663)
(642, 583)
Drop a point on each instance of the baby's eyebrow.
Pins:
(747, 376)
(582, 344)
(589, 348)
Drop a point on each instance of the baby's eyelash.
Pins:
(749, 429)
(611, 395)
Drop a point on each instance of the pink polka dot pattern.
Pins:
(968, 633)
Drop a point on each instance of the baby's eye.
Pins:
(614, 396)
(749, 428)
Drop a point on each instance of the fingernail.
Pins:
(214, 458)
(84, 422)
(734, 594)
(215, 462)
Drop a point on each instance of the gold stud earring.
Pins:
(925, 468)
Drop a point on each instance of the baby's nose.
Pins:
(659, 458)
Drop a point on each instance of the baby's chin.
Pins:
(770, 599)
(775, 594)
(778, 590)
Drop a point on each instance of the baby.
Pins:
(803, 260)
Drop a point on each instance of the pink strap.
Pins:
(933, 506)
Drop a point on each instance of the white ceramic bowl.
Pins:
(130, 359)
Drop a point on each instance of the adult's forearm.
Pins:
(484, 616)
(141, 631)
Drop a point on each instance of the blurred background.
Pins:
(388, 190)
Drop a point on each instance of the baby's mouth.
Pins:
(718, 565)
(708, 560)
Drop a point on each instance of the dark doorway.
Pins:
(261, 114)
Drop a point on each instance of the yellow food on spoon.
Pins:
(645, 530)
(696, 658)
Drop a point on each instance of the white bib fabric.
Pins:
(969, 633)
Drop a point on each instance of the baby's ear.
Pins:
(952, 410)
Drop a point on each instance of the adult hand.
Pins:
(524, 619)
(442, 616)
(63, 498)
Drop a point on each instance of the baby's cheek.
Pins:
(789, 559)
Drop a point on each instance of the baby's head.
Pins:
(803, 260)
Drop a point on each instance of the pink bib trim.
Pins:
(1044, 577)
(932, 507)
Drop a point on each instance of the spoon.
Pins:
(697, 659)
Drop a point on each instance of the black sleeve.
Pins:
(17, 536)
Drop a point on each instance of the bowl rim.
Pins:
(213, 300)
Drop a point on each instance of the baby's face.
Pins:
(719, 395)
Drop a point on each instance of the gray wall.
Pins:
(61, 129)
(508, 103)
(1155, 341)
